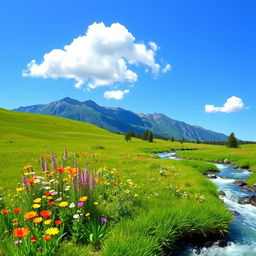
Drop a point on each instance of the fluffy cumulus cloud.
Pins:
(103, 56)
(117, 94)
(233, 104)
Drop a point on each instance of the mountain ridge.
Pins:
(121, 120)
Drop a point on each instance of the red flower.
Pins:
(46, 213)
(5, 211)
(31, 181)
(17, 210)
(57, 222)
(60, 170)
(114, 184)
(51, 203)
(47, 238)
(33, 239)
(47, 193)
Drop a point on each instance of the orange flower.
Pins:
(51, 203)
(30, 215)
(46, 213)
(31, 181)
(17, 210)
(27, 167)
(33, 239)
(21, 232)
(46, 238)
(5, 212)
(57, 222)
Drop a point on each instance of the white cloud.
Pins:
(117, 95)
(101, 57)
(233, 104)
(167, 68)
(153, 46)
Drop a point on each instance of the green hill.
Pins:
(24, 137)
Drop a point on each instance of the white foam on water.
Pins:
(231, 250)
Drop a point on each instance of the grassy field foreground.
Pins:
(165, 200)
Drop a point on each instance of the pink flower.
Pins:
(103, 220)
(80, 204)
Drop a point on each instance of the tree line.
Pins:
(232, 141)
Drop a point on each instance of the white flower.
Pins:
(72, 205)
(76, 216)
(67, 188)
(47, 188)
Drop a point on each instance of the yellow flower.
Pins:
(47, 222)
(95, 203)
(37, 200)
(27, 167)
(37, 219)
(44, 196)
(52, 231)
(49, 197)
(87, 214)
(26, 173)
(83, 198)
(36, 206)
(15, 222)
(19, 189)
(127, 191)
(63, 204)
(135, 195)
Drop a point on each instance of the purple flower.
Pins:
(80, 204)
(103, 220)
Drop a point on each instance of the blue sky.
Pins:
(211, 46)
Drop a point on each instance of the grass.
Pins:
(175, 201)
(243, 157)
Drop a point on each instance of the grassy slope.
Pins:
(24, 137)
(244, 157)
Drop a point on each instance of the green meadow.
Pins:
(243, 157)
(174, 201)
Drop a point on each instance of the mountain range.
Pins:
(121, 120)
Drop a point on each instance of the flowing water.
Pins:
(243, 229)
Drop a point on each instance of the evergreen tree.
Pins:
(172, 139)
(232, 141)
(145, 135)
(182, 141)
(198, 141)
(128, 136)
(150, 137)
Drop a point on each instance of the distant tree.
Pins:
(133, 134)
(172, 139)
(182, 141)
(198, 141)
(145, 135)
(150, 137)
(232, 141)
(128, 136)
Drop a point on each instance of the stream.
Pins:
(242, 232)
